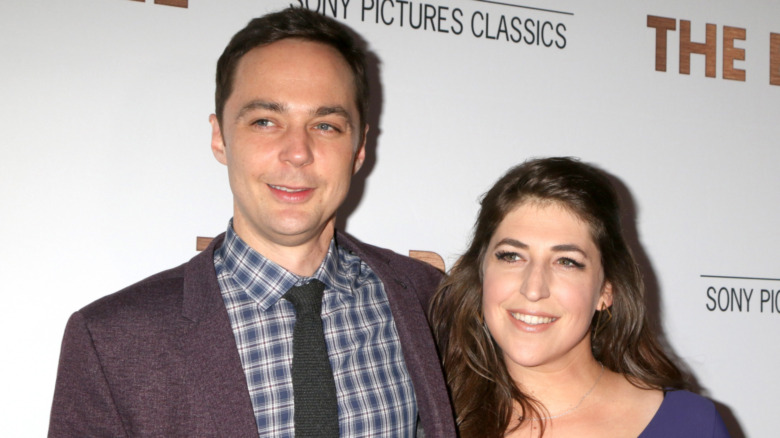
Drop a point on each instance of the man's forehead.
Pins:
(286, 50)
(289, 67)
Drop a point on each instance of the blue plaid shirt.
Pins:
(375, 393)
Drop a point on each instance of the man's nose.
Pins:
(297, 147)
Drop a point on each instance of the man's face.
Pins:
(291, 140)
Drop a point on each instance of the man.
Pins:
(205, 349)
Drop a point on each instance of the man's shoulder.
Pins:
(152, 295)
(374, 255)
(396, 270)
(157, 295)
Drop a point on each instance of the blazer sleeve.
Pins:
(83, 405)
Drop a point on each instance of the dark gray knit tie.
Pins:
(314, 390)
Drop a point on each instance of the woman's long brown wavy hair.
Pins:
(484, 395)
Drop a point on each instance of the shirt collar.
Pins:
(265, 281)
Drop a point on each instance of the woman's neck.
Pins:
(560, 388)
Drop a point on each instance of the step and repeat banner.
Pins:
(107, 174)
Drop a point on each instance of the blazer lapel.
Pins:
(216, 376)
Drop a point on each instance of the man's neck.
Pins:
(301, 258)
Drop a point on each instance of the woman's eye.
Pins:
(508, 256)
(569, 263)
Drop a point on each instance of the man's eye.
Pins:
(508, 256)
(325, 127)
(264, 123)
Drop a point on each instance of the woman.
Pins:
(542, 325)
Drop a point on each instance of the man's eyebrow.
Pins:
(336, 109)
(261, 104)
(277, 107)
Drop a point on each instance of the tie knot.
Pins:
(307, 299)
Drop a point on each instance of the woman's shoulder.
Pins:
(685, 414)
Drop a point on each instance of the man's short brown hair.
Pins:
(293, 22)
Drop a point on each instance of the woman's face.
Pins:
(543, 281)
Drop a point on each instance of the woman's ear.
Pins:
(605, 300)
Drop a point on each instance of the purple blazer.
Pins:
(159, 357)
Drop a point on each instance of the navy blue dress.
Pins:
(685, 414)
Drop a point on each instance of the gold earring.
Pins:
(599, 324)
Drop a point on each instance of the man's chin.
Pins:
(298, 233)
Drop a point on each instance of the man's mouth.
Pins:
(286, 189)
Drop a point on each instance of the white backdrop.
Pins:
(107, 175)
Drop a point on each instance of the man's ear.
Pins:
(605, 300)
(217, 141)
(360, 153)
